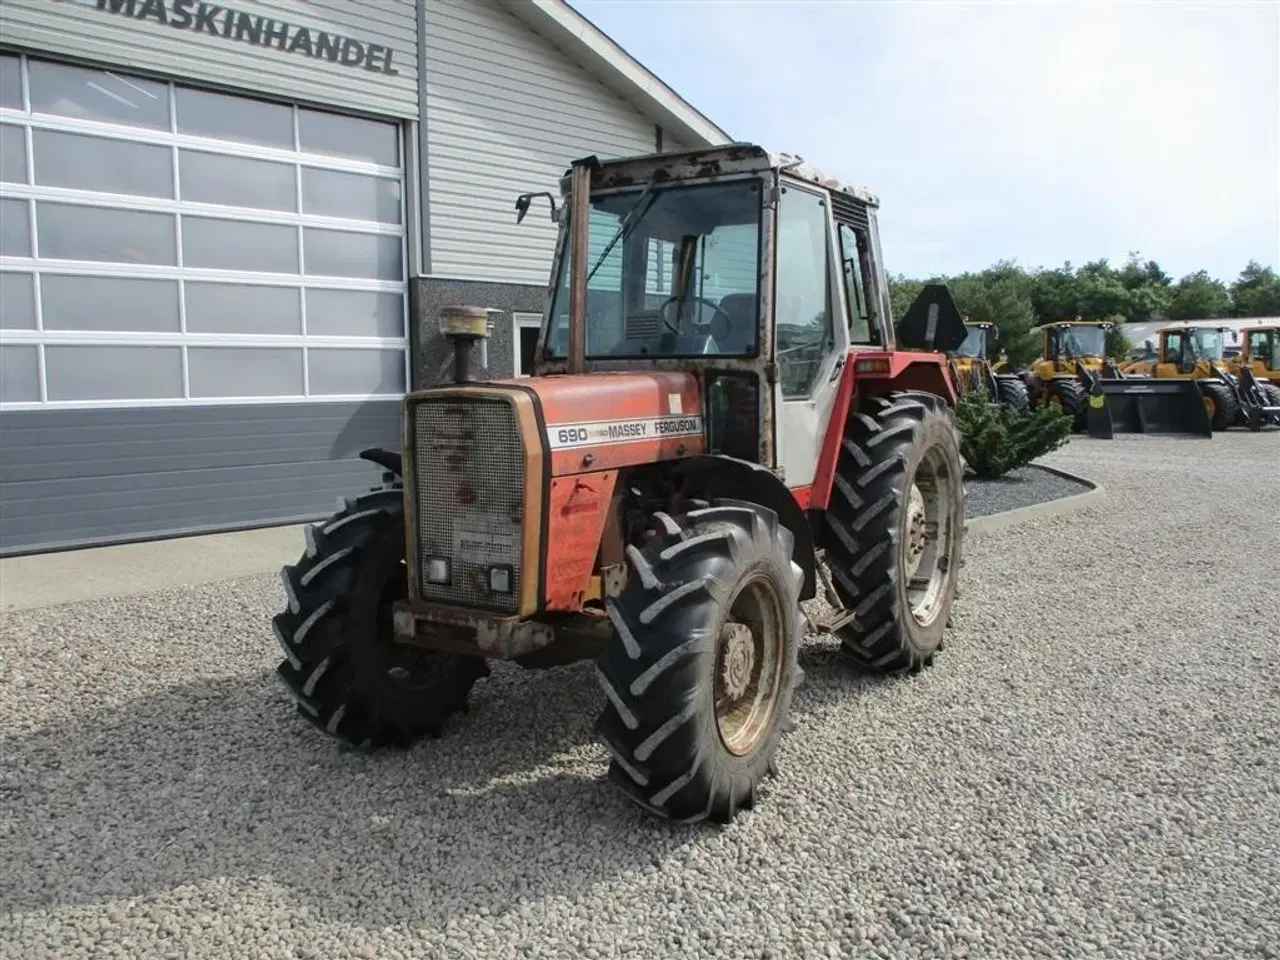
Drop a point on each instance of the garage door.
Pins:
(203, 303)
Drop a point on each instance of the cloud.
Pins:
(1036, 131)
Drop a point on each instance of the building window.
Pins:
(525, 330)
(163, 244)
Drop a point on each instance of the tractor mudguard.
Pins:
(744, 480)
(387, 459)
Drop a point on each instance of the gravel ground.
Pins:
(1092, 768)
(1018, 488)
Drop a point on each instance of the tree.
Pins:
(1256, 292)
(1198, 296)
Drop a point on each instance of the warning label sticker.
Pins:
(566, 435)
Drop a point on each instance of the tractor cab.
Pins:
(756, 273)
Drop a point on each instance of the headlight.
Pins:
(438, 570)
(500, 578)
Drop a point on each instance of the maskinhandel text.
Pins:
(230, 24)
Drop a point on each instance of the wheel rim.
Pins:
(926, 541)
(1210, 407)
(748, 667)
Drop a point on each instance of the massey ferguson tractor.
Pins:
(720, 425)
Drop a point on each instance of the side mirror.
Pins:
(525, 199)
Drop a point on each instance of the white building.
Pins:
(228, 228)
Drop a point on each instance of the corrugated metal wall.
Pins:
(359, 54)
(507, 112)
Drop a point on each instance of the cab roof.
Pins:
(731, 158)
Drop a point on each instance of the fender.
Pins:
(871, 374)
(387, 459)
(744, 480)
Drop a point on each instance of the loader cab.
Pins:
(975, 341)
(749, 270)
(1262, 347)
(1075, 341)
(1184, 349)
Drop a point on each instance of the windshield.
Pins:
(975, 344)
(640, 302)
(1082, 342)
(1207, 344)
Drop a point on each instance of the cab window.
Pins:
(805, 334)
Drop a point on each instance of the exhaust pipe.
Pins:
(464, 326)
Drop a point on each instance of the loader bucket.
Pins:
(1135, 405)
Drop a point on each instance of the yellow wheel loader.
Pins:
(1075, 373)
(1191, 352)
(973, 371)
(1070, 347)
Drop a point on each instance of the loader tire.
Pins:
(900, 453)
(349, 677)
(1223, 410)
(1271, 392)
(1012, 394)
(700, 675)
(1073, 400)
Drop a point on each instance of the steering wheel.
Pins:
(719, 332)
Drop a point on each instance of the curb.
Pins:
(1036, 511)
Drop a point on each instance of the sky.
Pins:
(1041, 132)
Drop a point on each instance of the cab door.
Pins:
(811, 334)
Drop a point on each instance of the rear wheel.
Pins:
(1012, 393)
(1221, 406)
(700, 676)
(894, 529)
(342, 665)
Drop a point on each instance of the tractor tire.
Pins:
(1224, 412)
(350, 678)
(877, 530)
(1012, 394)
(1073, 400)
(701, 673)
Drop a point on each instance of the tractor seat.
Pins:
(741, 309)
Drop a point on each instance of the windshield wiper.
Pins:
(626, 226)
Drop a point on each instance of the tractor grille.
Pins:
(469, 485)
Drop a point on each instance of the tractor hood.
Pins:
(603, 421)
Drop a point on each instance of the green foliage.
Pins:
(995, 441)
(1139, 291)
(1256, 293)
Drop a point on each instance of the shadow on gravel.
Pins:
(220, 779)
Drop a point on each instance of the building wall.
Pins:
(506, 112)
(359, 54)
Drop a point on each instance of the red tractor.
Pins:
(720, 426)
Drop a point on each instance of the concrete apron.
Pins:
(129, 569)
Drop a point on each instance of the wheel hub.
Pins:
(739, 659)
(917, 530)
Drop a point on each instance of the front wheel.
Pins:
(894, 529)
(342, 664)
(1012, 394)
(700, 676)
(1220, 405)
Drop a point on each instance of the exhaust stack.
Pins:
(464, 326)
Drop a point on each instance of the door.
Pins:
(812, 335)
